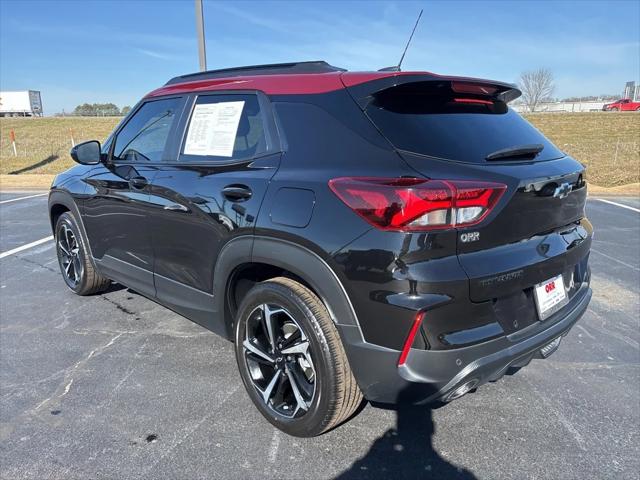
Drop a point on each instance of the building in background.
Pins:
(632, 91)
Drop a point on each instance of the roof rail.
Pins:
(318, 66)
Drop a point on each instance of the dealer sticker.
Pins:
(213, 129)
(550, 297)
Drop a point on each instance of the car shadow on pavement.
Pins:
(115, 287)
(41, 163)
(406, 451)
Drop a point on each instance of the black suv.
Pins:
(386, 235)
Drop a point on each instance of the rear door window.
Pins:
(224, 127)
(429, 118)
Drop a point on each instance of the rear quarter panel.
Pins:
(328, 136)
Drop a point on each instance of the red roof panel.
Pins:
(269, 84)
(285, 84)
(296, 84)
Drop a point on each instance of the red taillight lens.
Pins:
(474, 88)
(473, 100)
(415, 204)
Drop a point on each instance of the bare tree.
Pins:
(536, 86)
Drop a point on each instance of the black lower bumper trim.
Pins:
(433, 374)
(489, 360)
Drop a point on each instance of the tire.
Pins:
(613, 109)
(327, 393)
(76, 267)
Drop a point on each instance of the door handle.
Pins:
(237, 193)
(138, 182)
(175, 207)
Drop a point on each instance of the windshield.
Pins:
(429, 118)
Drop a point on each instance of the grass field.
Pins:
(43, 144)
(608, 143)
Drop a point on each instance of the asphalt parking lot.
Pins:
(115, 386)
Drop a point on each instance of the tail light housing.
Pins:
(418, 204)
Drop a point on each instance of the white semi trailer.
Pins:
(26, 103)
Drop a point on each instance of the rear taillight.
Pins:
(416, 204)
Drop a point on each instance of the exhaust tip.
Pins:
(462, 390)
(551, 347)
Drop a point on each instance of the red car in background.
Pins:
(624, 104)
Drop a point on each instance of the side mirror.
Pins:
(87, 153)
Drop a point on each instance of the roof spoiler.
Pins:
(364, 92)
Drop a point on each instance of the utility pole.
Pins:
(202, 51)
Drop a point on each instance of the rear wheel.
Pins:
(76, 267)
(291, 359)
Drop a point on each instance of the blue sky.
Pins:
(98, 51)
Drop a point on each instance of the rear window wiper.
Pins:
(515, 152)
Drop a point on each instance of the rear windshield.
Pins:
(429, 118)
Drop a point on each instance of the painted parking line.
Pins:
(22, 248)
(618, 204)
(23, 198)
(615, 259)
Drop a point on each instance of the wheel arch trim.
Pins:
(60, 197)
(289, 256)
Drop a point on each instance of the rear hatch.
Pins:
(462, 129)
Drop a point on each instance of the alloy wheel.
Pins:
(278, 358)
(69, 254)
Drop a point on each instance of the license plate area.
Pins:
(550, 296)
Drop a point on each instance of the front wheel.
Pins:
(75, 265)
(291, 359)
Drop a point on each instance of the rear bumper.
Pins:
(431, 375)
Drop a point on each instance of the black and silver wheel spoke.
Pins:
(76, 268)
(296, 387)
(268, 314)
(69, 253)
(68, 268)
(267, 393)
(68, 236)
(63, 247)
(278, 357)
(255, 350)
(301, 348)
(293, 339)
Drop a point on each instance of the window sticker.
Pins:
(213, 129)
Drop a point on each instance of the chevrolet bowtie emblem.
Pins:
(563, 190)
